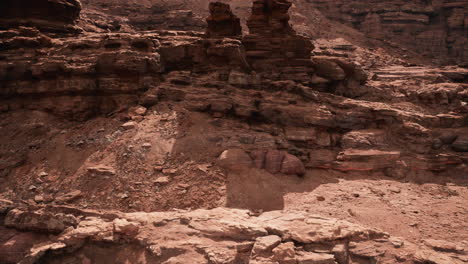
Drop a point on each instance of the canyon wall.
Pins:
(50, 15)
(437, 29)
(318, 140)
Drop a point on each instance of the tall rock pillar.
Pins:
(272, 44)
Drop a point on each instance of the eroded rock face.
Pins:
(148, 15)
(222, 22)
(272, 43)
(435, 28)
(270, 17)
(280, 110)
(39, 221)
(69, 76)
(431, 29)
(54, 15)
(100, 74)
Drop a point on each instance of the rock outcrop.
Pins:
(222, 22)
(272, 45)
(436, 29)
(145, 117)
(49, 15)
(75, 77)
(146, 15)
(204, 236)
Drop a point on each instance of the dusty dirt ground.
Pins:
(410, 209)
(422, 207)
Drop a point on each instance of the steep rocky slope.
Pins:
(339, 153)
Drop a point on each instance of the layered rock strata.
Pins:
(75, 77)
(222, 22)
(272, 43)
(435, 29)
(149, 15)
(51, 15)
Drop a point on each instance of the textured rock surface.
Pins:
(205, 236)
(222, 22)
(394, 123)
(122, 15)
(137, 121)
(273, 44)
(51, 15)
(435, 28)
(76, 77)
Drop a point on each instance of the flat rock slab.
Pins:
(219, 235)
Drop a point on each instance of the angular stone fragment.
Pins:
(328, 69)
(122, 226)
(265, 244)
(129, 125)
(285, 253)
(362, 139)
(162, 180)
(38, 198)
(300, 134)
(444, 246)
(140, 110)
(315, 258)
(370, 159)
(431, 256)
(68, 197)
(367, 250)
(341, 254)
(101, 170)
(39, 221)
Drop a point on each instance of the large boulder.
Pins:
(277, 161)
(337, 69)
(460, 144)
(235, 160)
(328, 69)
(292, 165)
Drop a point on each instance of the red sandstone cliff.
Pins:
(338, 138)
(437, 30)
